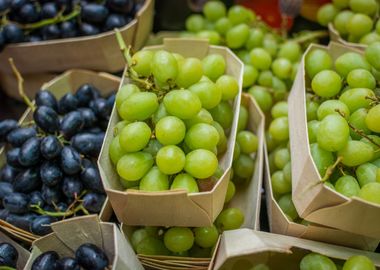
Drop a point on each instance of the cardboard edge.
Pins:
(335, 36)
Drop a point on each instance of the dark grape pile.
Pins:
(37, 20)
(87, 257)
(50, 169)
(8, 255)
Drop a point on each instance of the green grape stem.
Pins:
(7, 268)
(375, 99)
(67, 213)
(331, 169)
(310, 36)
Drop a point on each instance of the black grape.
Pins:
(68, 29)
(7, 126)
(68, 264)
(51, 195)
(94, 13)
(61, 207)
(72, 187)
(35, 198)
(49, 10)
(8, 255)
(28, 180)
(99, 106)
(17, 4)
(91, 257)
(18, 136)
(4, 213)
(46, 261)
(50, 147)
(85, 94)
(93, 202)
(46, 119)
(91, 179)
(71, 124)
(21, 221)
(94, 130)
(41, 225)
(5, 189)
(51, 32)
(13, 33)
(8, 173)
(29, 13)
(12, 157)
(87, 143)
(114, 21)
(46, 98)
(51, 173)
(70, 160)
(88, 116)
(67, 103)
(16, 203)
(4, 5)
(87, 29)
(33, 38)
(30, 152)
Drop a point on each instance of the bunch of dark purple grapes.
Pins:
(8, 255)
(36, 20)
(50, 169)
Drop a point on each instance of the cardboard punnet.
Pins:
(280, 224)
(335, 36)
(244, 248)
(59, 86)
(70, 234)
(174, 207)
(23, 254)
(315, 202)
(41, 61)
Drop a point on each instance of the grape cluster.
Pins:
(343, 114)
(32, 21)
(51, 169)
(355, 20)
(318, 261)
(8, 255)
(87, 257)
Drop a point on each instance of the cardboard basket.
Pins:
(335, 36)
(315, 202)
(69, 234)
(173, 207)
(244, 248)
(41, 61)
(67, 82)
(23, 254)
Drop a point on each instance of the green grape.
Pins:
(361, 78)
(178, 57)
(228, 85)
(195, 23)
(223, 114)
(356, 153)
(330, 107)
(255, 39)
(244, 166)
(341, 21)
(279, 129)
(280, 89)
(212, 36)
(154, 180)
(178, 239)
(206, 237)
(243, 118)
(347, 185)
(185, 181)
(209, 25)
(170, 159)
(357, 120)
(230, 219)
(116, 151)
(119, 127)
(244, 56)
(316, 61)
(247, 141)
(328, 184)
(290, 50)
(372, 53)
(282, 68)
(124, 92)
(204, 116)
(133, 166)
(287, 170)
(223, 25)
(314, 261)
(280, 109)
(280, 185)
(183, 104)
(377, 163)
(164, 66)
(326, 14)
(134, 136)
(208, 93)
(237, 36)
(322, 158)
(260, 58)
(189, 72)
(369, 38)
(281, 157)
(202, 136)
(153, 147)
(270, 142)
(270, 44)
(357, 98)
(326, 83)
(214, 10)
(377, 27)
(222, 144)
(340, 4)
(198, 252)
(201, 163)
(359, 262)
(286, 204)
(262, 97)
(159, 113)
(139, 106)
(333, 133)
(350, 61)
(373, 119)
(141, 62)
(265, 78)
(366, 173)
(230, 191)
(368, 7)
(170, 130)
(137, 236)
(152, 246)
(312, 110)
(359, 25)
(375, 147)
(238, 14)
(312, 130)
(214, 66)
(371, 192)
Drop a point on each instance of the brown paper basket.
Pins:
(69, 234)
(244, 248)
(67, 82)
(335, 36)
(23, 254)
(41, 61)
(314, 201)
(175, 207)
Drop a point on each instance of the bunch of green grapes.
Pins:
(315, 261)
(355, 20)
(343, 113)
(175, 117)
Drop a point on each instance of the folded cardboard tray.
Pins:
(335, 36)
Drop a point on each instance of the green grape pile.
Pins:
(355, 20)
(176, 114)
(315, 261)
(343, 114)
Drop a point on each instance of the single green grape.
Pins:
(332, 106)
(152, 246)
(368, 7)
(326, 14)
(347, 185)
(116, 151)
(139, 106)
(164, 66)
(322, 158)
(208, 93)
(270, 44)
(290, 50)
(133, 166)
(230, 191)
(312, 130)
(142, 61)
(265, 78)
(244, 166)
(357, 120)
(229, 87)
(170, 130)
(195, 23)
(373, 119)
(326, 83)
(222, 25)
(355, 153)
(190, 71)
(204, 116)
(178, 239)
(206, 237)
(119, 127)
(271, 143)
(170, 159)
(262, 97)
(341, 21)
(281, 157)
(357, 98)
(255, 39)
(134, 136)
(214, 66)
(223, 114)
(359, 262)
(183, 104)
(350, 61)
(279, 109)
(213, 37)
(279, 129)
(314, 261)
(280, 185)
(286, 204)
(366, 173)
(371, 192)
(247, 141)
(282, 68)
(124, 92)
(287, 170)
(260, 58)
(316, 61)
(243, 118)
(237, 36)
(230, 219)
(312, 110)
(250, 75)
(244, 56)
(203, 136)
(361, 78)
(137, 236)
(333, 133)
(372, 53)
(238, 14)
(369, 38)
(214, 10)
(359, 25)
(154, 180)
(185, 181)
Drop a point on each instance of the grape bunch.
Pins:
(50, 169)
(355, 20)
(87, 257)
(176, 113)
(8, 255)
(314, 261)
(33, 21)
(343, 113)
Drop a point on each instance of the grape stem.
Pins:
(331, 169)
(39, 210)
(310, 36)
(374, 99)
(7, 268)
(20, 82)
